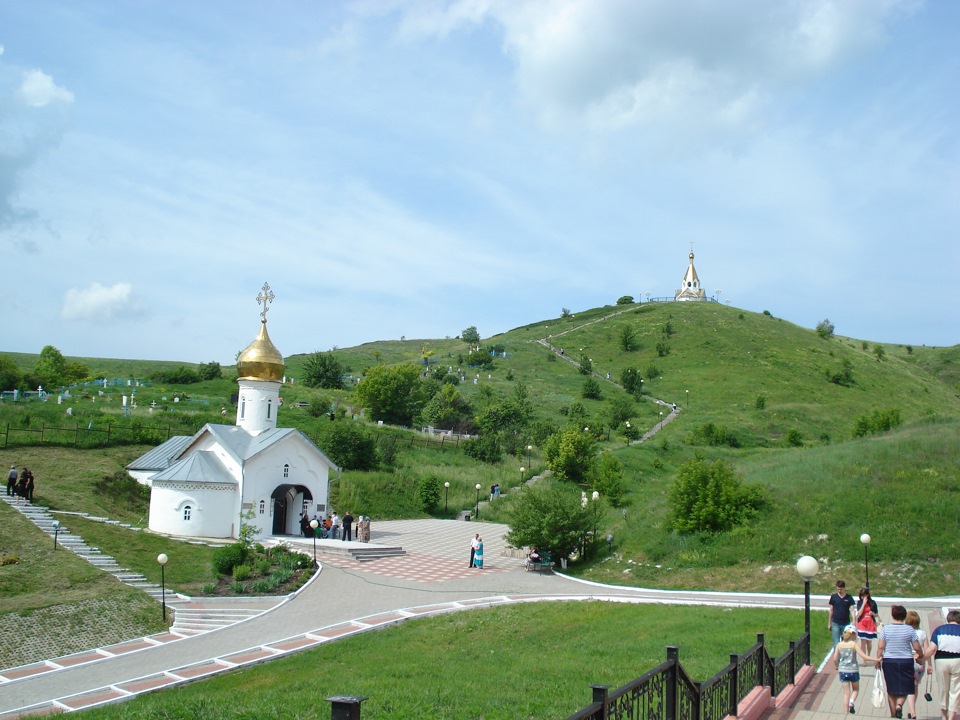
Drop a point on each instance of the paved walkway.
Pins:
(348, 597)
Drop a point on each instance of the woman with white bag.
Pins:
(898, 646)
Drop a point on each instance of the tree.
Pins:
(552, 518)
(609, 479)
(627, 338)
(625, 300)
(591, 389)
(571, 454)
(631, 381)
(10, 375)
(210, 371)
(349, 445)
(619, 409)
(709, 497)
(825, 329)
(450, 410)
(425, 354)
(390, 393)
(470, 335)
(565, 312)
(323, 370)
(51, 368)
(586, 365)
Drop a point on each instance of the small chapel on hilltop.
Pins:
(690, 289)
(250, 472)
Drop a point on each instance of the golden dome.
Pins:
(261, 360)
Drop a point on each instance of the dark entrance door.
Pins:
(284, 499)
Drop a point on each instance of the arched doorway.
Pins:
(288, 502)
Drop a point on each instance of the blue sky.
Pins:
(414, 168)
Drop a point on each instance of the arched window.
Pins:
(286, 471)
(263, 506)
(187, 510)
(269, 405)
(243, 407)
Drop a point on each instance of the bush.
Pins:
(711, 498)
(350, 446)
(653, 372)
(262, 587)
(879, 351)
(586, 365)
(876, 422)
(428, 489)
(761, 402)
(263, 567)
(825, 329)
(627, 338)
(631, 381)
(713, 435)
(238, 588)
(662, 349)
(241, 572)
(844, 376)
(323, 370)
(625, 300)
(591, 389)
(228, 557)
(485, 449)
(794, 438)
(124, 489)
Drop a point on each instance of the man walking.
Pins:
(347, 521)
(12, 480)
(841, 612)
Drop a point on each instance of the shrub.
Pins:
(668, 328)
(262, 587)
(625, 300)
(876, 422)
(565, 312)
(879, 351)
(631, 381)
(228, 557)
(627, 338)
(208, 589)
(280, 576)
(761, 402)
(794, 438)
(586, 365)
(428, 490)
(662, 349)
(241, 572)
(591, 389)
(551, 357)
(825, 329)
(844, 376)
(124, 489)
(767, 313)
(238, 588)
(711, 498)
(909, 349)
(263, 567)
(485, 448)
(714, 435)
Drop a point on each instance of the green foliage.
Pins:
(591, 389)
(714, 435)
(825, 329)
(571, 454)
(877, 421)
(631, 381)
(178, 376)
(448, 409)
(125, 490)
(843, 376)
(323, 370)
(879, 351)
(550, 516)
(709, 497)
(565, 312)
(625, 300)
(761, 402)
(428, 488)
(226, 558)
(349, 445)
(609, 479)
(585, 365)
(620, 408)
(653, 372)
(241, 572)
(668, 329)
(481, 359)
(627, 338)
(663, 349)
(210, 371)
(794, 438)
(318, 407)
(53, 371)
(390, 393)
(471, 335)
(10, 375)
(485, 448)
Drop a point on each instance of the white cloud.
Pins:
(97, 302)
(38, 90)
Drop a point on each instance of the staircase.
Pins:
(361, 554)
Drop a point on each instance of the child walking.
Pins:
(845, 658)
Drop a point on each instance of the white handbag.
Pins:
(879, 695)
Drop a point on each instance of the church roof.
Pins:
(162, 455)
(691, 274)
(261, 360)
(199, 467)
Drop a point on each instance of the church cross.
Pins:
(264, 298)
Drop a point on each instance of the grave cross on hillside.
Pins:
(264, 298)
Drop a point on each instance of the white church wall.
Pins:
(193, 510)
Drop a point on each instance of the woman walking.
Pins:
(866, 620)
(913, 620)
(845, 658)
(898, 646)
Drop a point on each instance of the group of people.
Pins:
(333, 527)
(904, 653)
(476, 551)
(20, 485)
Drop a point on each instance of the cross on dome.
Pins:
(264, 298)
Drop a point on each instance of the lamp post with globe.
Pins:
(446, 495)
(808, 567)
(314, 524)
(865, 539)
(162, 559)
(478, 500)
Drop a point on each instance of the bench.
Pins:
(544, 564)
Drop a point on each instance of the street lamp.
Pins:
(522, 471)
(478, 500)
(162, 559)
(529, 450)
(688, 397)
(446, 495)
(314, 524)
(648, 296)
(865, 539)
(718, 294)
(661, 419)
(56, 531)
(808, 567)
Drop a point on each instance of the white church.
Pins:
(690, 289)
(207, 484)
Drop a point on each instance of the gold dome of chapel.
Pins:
(261, 360)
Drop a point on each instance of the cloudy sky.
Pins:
(413, 168)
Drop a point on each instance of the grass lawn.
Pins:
(528, 661)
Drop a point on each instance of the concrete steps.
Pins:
(366, 553)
